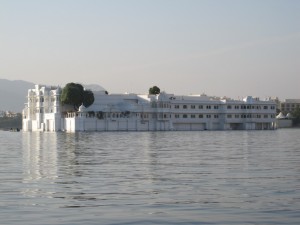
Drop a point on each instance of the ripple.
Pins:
(151, 177)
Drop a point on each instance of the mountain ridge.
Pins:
(13, 93)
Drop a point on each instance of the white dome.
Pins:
(280, 116)
(82, 109)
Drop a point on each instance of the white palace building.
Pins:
(132, 112)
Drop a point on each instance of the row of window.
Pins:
(42, 110)
(197, 107)
(228, 107)
(289, 108)
(250, 107)
(42, 99)
(193, 116)
(160, 105)
(289, 105)
(229, 116)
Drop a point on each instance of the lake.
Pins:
(206, 177)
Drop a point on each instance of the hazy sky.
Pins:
(220, 47)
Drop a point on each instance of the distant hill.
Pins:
(13, 94)
(94, 87)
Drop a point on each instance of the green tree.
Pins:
(88, 98)
(296, 116)
(74, 94)
(154, 90)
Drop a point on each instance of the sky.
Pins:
(230, 48)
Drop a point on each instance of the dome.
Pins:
(81, 108)
(280, 116)
(248, 99)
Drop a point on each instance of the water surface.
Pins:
(207, 177)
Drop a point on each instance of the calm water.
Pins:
(203, 177)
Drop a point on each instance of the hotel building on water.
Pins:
(132, 112)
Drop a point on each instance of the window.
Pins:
(208, 107)
(265, 107)
(185, 106)
(193, 106)
(236, 107)
(208, 116)
(176, 116)
(193, 116)
(236, 116)
(184, 116)
(200, 106)
(216, 116)
(176, 106)
(229, 116)
(216, 107)
(266, 116)
(200, 115)
(229, 107)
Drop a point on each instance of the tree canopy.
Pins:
(74, 94)
(88, 98)
(154, 90)
(296, 116)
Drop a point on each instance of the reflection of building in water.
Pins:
(39, 159)
(39, 155)
(56, 165)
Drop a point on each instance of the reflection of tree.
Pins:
(68, 155)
